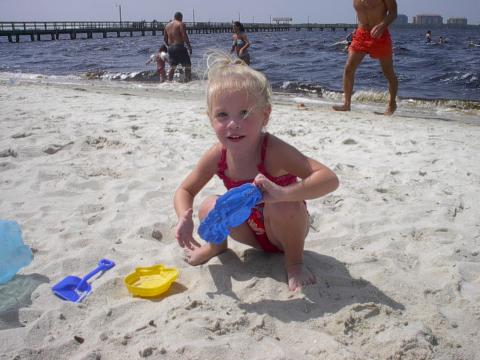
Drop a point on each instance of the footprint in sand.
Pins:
(4, 166)
(54, 148)
(21, 135)
(7, 153)
(100, 142)
(153, 200)
(349, 141)
(152, 232)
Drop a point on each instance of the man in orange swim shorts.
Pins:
(371, 37)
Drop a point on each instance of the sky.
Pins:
(320, 11)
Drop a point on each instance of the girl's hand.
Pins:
(184, 231)
(271, 191)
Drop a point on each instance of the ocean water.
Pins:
(305, 62)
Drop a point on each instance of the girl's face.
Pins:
(237, 119)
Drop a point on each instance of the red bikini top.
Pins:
(282, 180)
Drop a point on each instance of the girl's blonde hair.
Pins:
(226, 74)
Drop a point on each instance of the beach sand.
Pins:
(89, 171)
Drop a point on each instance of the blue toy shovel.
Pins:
(75, 289)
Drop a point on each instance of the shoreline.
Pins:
(440, 109)
(395, 249)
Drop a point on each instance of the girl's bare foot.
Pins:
(299, 276)
(202, 254)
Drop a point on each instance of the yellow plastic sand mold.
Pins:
(150, 281)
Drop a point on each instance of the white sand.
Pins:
(395, 248)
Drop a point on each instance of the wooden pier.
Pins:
(55, 30)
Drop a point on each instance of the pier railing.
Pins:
(35, 29)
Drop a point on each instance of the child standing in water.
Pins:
(160, 58)
(239, 107)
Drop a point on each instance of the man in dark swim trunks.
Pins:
(177, 40)
(371, 37)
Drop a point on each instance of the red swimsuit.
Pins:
(255, 221)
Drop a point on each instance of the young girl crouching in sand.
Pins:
(239, 107)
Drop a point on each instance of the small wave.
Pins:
(400, 50)
(273, 48)
(298, 87)
(144, 51)
(298, 53)
(381, 97)
(92, 75)
(473, 81)
(445, 103)
(142, 76)
(147, 76)
(370, 96)
(470, 80)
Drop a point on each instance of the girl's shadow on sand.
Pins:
(335, 288)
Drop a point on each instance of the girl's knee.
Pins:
(206, 206)
(285, 210)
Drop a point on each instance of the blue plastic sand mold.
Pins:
(231, 210)
(14, 254)
(75, 289)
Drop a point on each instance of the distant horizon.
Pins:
(410, 19)
(444, 23)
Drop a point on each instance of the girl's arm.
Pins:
(317, 179)
(196, 180)
(186, 192)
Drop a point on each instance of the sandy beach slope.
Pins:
(89, 171)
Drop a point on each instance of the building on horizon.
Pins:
(460, 21)
(427, 19)
(401, 20)
(282, 20)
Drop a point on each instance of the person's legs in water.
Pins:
(175, 56)
(173, 62)
(179, 56)
(354, 59)
(162, 75)
(187, 64)
(245, 58)
(171, 71)
(188, 73)
(286, 225)
(387, 68)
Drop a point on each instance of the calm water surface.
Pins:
(298, 61)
